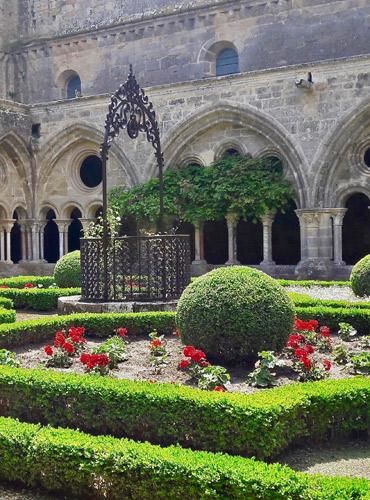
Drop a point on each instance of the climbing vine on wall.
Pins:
(242, 186)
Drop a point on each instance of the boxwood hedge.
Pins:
(78, 465)
(262, 424)
(303, 300)
(7, 316)
(6, 303)
(39, 299)
(309, 283)
(20, 281)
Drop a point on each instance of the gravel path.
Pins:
(350, 459)
(24, 315)
(329, 293)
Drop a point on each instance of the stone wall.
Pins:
(175, 44)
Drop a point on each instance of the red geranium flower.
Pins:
(48, 350)
(188, 351)
(184, 363)
(198, 356)
(28, 285)
(307, 363)
(219, 388)
(68, 347)
(325, 331)
(122, 332)
(59, 339)
(327, 364)
(156, 343)
(4, 286)
(84, 358)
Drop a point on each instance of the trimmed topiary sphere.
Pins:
(360, 277)
(67, 272)
(232, 313)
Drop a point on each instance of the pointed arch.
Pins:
(63, 140)
(332, 150)
(246, 116)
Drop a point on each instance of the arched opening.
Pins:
(16, 240)
(227, 62)
(356, 229)
(51, 238)
(230, 152)
(249, 241)
(91, 172)
(74, 231)
(98, 212)
(215, 242)
(73, 87)
(275, 164)
(286, 238)
(182, 227)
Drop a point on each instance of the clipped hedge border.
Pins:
(6, 303)
(20, 281)
(7, 316)
(359, 318)
(302, 300)
(261, 424)
(78, 465)
(100, 325)
(38, 299)
(309, 283)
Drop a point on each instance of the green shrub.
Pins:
(309, 283)
(302, 300)
(38, 299)
(360, 277)
(6, 303)
(20, 281)
(359, 318)
(100, 325)
(67, 272)
(233, 313)
(78, 465)
(7, 316)
(262, 424)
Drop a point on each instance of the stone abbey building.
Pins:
(283, 79)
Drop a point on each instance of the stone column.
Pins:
(41, 239)
(35, 233)
(267, 221)
(199, 264)
(232, 220)
(309, 221)
(338, 216)
(8, 225)
(63, 235)
(2, 243)
(24, 255)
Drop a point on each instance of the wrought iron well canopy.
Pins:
(133, 268)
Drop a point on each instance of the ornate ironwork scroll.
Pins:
(134, 268)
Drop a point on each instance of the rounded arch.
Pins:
(227, 145)
(332, 150)
(93, 208)
(21, 212)
(45, 209)
(246, 116)
(68, 208)
(67, 138)
(356, 228)
(4, 211)
(193, 159)
(69, 81)
(343, 195)
(211, 49)
(15, 149)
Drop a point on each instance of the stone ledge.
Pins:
(72, 305)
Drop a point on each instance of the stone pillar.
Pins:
(2, 243)
(338, 216)
(199, 264)
(35, 233)
(63, 235)
(8, 225)
(41, 240)
(267, 221)
(232, 220)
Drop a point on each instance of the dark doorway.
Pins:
(286, 238)
(16, 240)
(249, 241)
(356, 229)
(215, 242)
(51, 238)
(74, 231)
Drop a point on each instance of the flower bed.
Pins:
(21, 281)
(38, 299)
(78, 465)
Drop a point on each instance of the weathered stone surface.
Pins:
(70, 305)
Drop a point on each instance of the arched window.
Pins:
(227, 62)
(91, 171)
(73, 87)
(231, 152)
(275, 164)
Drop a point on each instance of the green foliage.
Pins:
(20, 281)
(38, 299)
(346, 332)
(262, 375)
(7, 358)
(360, 363)
(6, 303)
(303, 300)
(341, 355)
(100, 325)
(72, 464)
(7, 316)
(359, 318)
(211, 377)
(115, 349)
(67, 272)
(242, 186)
(310, 283)
(261, 424)
(360, 277)
(233, 313)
